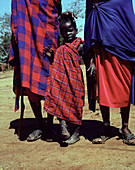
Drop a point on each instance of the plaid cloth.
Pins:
(64, 97)
(34, 25)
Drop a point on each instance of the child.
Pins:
(65, 93)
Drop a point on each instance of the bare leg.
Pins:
(105, 111)
(49, 132)
(125, 118)
(36, 134)
(49, 120)
(129, 138)
(36, 107)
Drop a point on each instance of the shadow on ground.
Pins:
(90, 129)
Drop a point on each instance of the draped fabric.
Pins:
(111, 24)
(34, 25)
(113, 79)
(64, 97)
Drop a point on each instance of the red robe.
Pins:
(65, 91)
(113, 79)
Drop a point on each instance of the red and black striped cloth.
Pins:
(64, 97)
(34, 25)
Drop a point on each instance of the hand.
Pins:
(92, 70)
(48, 51)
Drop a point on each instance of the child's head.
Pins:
(68, 28)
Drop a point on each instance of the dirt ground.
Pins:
(18, 154)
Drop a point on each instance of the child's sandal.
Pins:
(65, 132)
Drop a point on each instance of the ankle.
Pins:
(107, 129)
(124, 126)
(106, 124)
(63, 122)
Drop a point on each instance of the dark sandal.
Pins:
(127, 139)
(35, 135)
(101, 140)
(104, 137)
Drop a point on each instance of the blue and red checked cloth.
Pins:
(64, 97)
(34, 25)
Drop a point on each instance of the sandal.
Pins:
(35, 135)
(129, 139)
(73, 139)
(104, 137)
(101, 140)
(65, 132)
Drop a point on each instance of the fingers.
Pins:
(47, 48)
(92, 70)
(48, 51)
(88, 69)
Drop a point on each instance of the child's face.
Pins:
(68, 32)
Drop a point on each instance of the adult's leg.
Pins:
(125, 118)
(36, 107)
(129, 138)
(49, 132)
(35, 102)
(36, 134)
(49, 120)
(105, 111)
